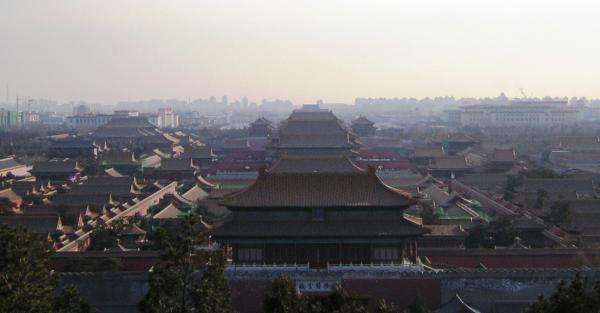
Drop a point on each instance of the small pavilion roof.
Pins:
(450, 163)
(8, 163)
(503, 155)
(177, 165)
(262, 121)
(203, 152)
(132, 229)
(362, 120)
(56, 167)
(169, 212)
(195, 194)
(10, 195)
(456, 305)
(113, 173)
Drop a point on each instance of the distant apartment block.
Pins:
(13, 119)
(93, 121)
(81, 109)
(88, 121)
(165, 118)
(519, 113)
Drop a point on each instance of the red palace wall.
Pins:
(248, 295)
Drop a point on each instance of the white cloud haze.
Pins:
(303, 50)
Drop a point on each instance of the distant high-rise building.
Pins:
(81, 110)
(167, 118)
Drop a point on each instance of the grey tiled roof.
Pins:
(8, 163)
(38, 224)
(318, 190)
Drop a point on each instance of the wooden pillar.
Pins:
(234, 253)
(264, 253)
(295, 253)
(402, 249)
(416, 250)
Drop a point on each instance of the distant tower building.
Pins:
(224, 100)
(262, 127)
(81, 110)
(167, 118)
(363, 127)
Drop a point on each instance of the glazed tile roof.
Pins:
(456, 305)
(80, 200)
(8, 163)
(314, 164)
(176, 165)
(428, 152)
(132, 229)
(362, 120)
(454, 137)
(194, 194)
(38, 224)
(72, 143)
(321, 189)
(313, 128)
(118, 157)
(449, 163)
(581, 186)
(88, 189)
(485, 181)
(169, 212)
(113, 173)
(237, 143)
(10, 194)
(200, 153)
(55, 167)
(262, 121)
(503, 155)
(331, 140)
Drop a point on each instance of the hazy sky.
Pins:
(302, 50)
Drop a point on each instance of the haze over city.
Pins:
(109, 51)
(252, 156)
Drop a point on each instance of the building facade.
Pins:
(88, 121)
(521, 113)
(318, 211)
(314, 131)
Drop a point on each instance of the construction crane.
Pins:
(525, 97)
(523, 93)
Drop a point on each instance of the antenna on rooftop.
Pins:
(523, 93)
